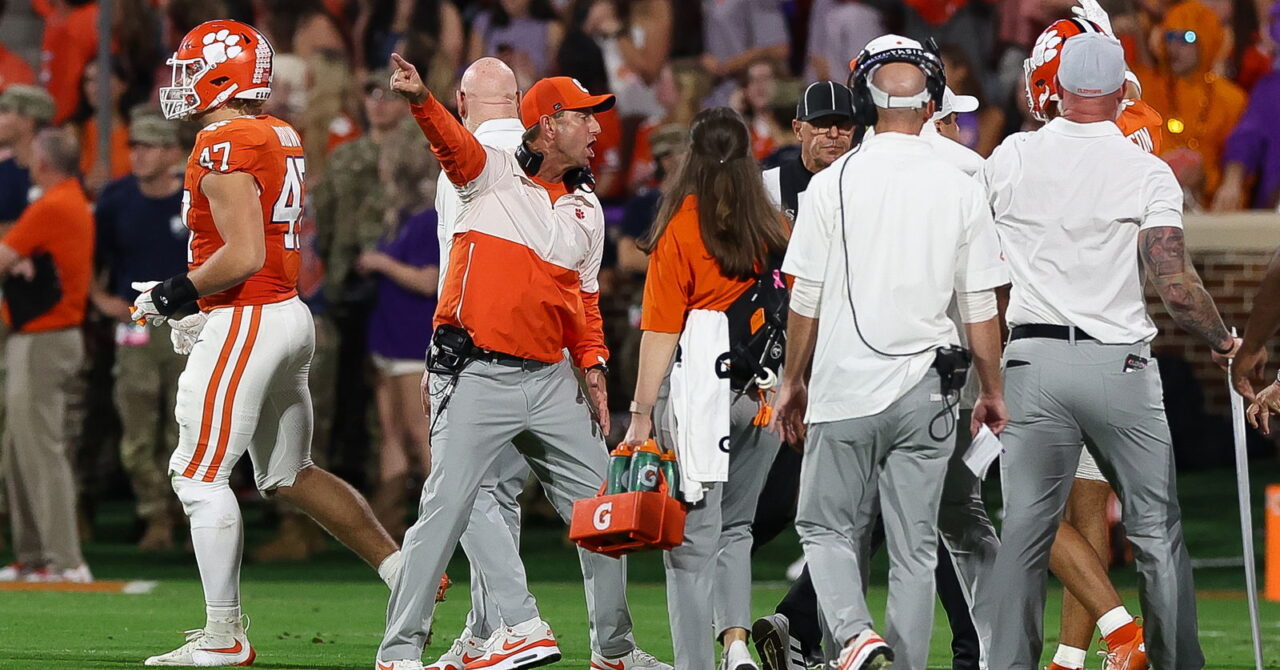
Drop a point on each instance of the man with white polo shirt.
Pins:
(1079, 359)
(943, 132)
(887, 221)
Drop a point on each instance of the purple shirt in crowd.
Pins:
(400, 326)
(1255, 142)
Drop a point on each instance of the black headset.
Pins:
(928, 60)
(576, 179)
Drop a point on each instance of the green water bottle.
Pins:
(671, 473)
(646, 463)
(619, 470)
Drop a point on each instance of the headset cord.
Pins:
(446, 394)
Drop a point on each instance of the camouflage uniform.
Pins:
(146, 373)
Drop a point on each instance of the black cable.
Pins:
(848, 278)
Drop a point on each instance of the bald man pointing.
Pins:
(488, 99)
(880, 406)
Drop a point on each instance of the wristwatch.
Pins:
(641, 409)
(601, 367)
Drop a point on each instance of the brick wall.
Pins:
(1231, 252)
(1232, 278)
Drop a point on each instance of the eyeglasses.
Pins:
(1184, 36)
(824, 124)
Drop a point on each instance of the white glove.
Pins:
(1090, 10)
(143, 309)
(184, 333)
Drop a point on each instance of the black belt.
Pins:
(507, 360)
(1048, 332)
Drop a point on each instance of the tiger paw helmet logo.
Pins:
(221, 47)
(1046, 48)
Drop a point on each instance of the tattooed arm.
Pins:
(1164, 254)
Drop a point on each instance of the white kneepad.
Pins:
(207, 504)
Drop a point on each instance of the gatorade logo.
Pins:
(603, 516)
(648, 476)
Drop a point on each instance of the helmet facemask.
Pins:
(180, 99)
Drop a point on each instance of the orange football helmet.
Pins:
(1041, 68)
(217, 61)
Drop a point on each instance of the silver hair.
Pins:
(60, 149)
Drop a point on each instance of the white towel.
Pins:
(699, 402)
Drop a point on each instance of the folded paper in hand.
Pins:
(982, 452)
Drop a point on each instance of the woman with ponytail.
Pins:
(716, 233)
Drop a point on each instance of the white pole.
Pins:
(1246, 514)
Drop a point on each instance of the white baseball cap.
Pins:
(953, 104)
(1091, 65)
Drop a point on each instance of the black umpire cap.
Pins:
(825, 98)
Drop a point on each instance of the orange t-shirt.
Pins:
(61, 225)
(270, 151)
(70, 42)
(684, 276)
(119, 148)
(14, 70)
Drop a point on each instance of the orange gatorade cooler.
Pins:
(631, 521)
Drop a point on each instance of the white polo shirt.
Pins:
(915, 230)
(496, 133)
(968, 160)
(1069, 200)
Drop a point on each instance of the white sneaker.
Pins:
(204, 650)
(15, 572)
(868, 651)
(777, 648)
(466, 649)
(636, 660)
(736, 657)
(77, 575)
(411, 664)
(527, 645)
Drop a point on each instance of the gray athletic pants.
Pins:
(499, 588)
(537, 407)
(709, 575)
(1058, 393)
(848, 465)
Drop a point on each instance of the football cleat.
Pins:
(636, 660)
(398, 665)
(1131, 655)
(204, 650)
(443, 587)
(466, 649)
(868, 651)
(777, 648)
(527, 645)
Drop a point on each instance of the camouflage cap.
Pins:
(379, 79)
(667, 139)
(30, 101)
(149, 127)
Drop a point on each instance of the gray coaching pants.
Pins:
(539, 409)
(709, 576)
(1058, 393)
(849, 465)
(499, 588)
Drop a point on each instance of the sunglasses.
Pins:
(1184, 36)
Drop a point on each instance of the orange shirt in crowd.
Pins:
(684, 276)
(14, 70)
(70, 42)
(119, 148)
(59, 224)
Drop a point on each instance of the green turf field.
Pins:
(328, 613)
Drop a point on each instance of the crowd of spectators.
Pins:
(1204, 65)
